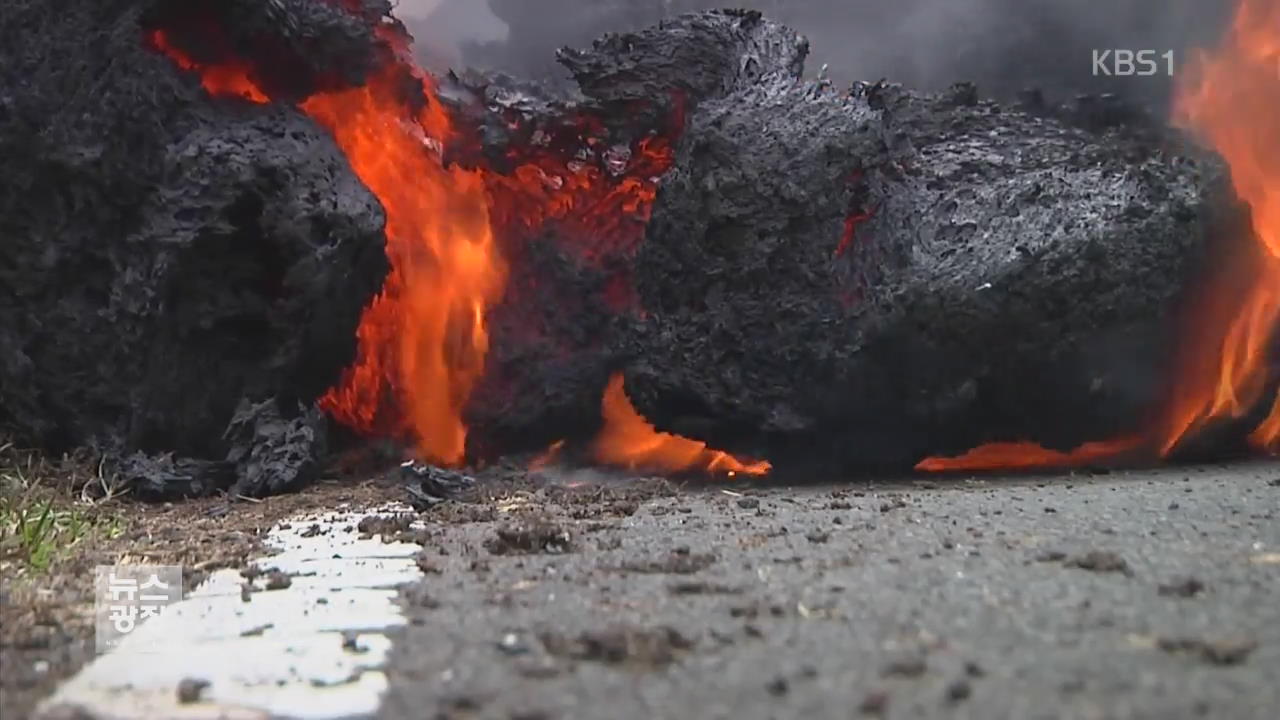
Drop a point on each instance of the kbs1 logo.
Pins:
(1132, 63)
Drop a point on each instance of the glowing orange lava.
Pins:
(1231, 98)
(422, 342)
(425, 336)
(228, 79)
(628, 440)
(1026, 456)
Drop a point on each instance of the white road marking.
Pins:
(313, 650)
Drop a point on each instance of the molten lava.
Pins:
(628, 440)
(423, 341)
(1230, 98)
(425, 335)
(231, 79)
(1026, 456)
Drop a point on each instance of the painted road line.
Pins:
(312, 650)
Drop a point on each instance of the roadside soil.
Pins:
(47, 614)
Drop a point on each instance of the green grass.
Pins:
(44, 516)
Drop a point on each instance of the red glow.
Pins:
(227, 80)
(1028, 456)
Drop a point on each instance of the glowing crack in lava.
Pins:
(422, 342)
(1230, 98)
(229, 79)
(628, 440)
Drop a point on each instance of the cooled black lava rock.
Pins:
(702, 55)
(864, 277)
(163, 476)
(273, 453)
(165, 254)
(1004, 45)
(1006, 277)
(429, 485)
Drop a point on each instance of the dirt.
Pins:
(635, 646)
(46, 618)
(385, 525)
(1188, 587)
(1215, 651)
(530, 534)
(1100, 561)
(190, 689)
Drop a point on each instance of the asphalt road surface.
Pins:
(1149, 594)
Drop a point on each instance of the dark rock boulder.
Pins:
(166, 254)
(876, 276)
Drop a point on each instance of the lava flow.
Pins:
(1022, 455)
(422, 342)
(1228, 98)
(423, 339)
(630, 441)
(425, 335)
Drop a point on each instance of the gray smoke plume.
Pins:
(1005, 46)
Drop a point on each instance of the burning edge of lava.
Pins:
(628, 440)
(1229, 98)
(423, 340)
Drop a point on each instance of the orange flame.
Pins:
(422, 342)
(1230, 98)
(426, 334)
(547, 457)
(1027, 456)
(628, 440)
(423, 339)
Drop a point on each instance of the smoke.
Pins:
(441, 28)
(1004, 46)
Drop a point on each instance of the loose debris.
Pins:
(388, 526)
(698, 587)
(1185, 588)
(907, 666)
(190, 690)
(429, 485)
(875, 703)
(1219, 651)
(530, 534)
(1100, 561)
(678, 562)
(637, 647)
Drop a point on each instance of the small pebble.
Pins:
(190, 689)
